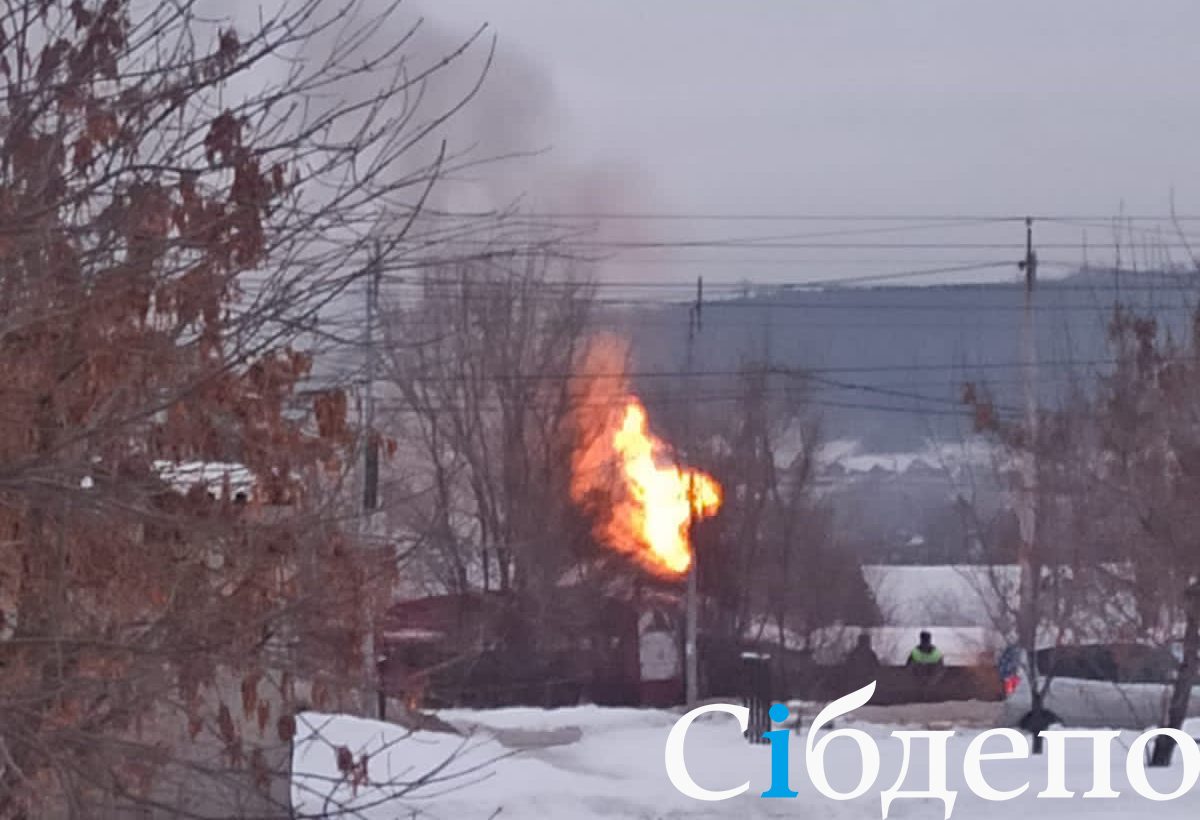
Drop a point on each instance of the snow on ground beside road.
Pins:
(609, 763)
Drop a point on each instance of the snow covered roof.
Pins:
(965, 596)
(935, 458)
(942, 595)
(414, 635)
(183, 475)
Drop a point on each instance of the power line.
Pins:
(652, 401)
(793, 297)
(794, 373)
(893, 306)
(1182, 280)
(817, 217)
(776, 244)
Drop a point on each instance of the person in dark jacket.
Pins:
(862, 664)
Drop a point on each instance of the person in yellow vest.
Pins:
(925, 659)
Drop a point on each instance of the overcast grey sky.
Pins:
(929, 106)
(951, 105)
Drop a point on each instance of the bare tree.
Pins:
(481, 403)
(1148, 414)
(1120, 477)
(1071, 590)
(770, 564)
(180, 202)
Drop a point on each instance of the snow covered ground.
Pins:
(590, 762)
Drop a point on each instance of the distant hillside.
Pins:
(889, 363)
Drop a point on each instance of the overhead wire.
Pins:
(809, 216)
(418, 293)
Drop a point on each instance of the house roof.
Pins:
(212, 475)
(439, 615)
(942, 595)
(478, 615)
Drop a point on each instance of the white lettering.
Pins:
(677, 768)
(814, 750)
(1056, 764)
(1018, 749)
(937, 771)
(1135, 768)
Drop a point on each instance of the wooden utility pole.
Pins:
(1027, 605)
(691, 653)
(369, 498)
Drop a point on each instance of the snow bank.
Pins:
(615, 769)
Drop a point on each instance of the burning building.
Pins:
(611, 632)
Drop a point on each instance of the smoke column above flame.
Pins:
(644, 502)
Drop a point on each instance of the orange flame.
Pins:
(649, 503)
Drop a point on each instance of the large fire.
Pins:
(649, 502)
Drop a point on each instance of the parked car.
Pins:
(1117, 686)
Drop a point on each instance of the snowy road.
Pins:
(589, 762)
